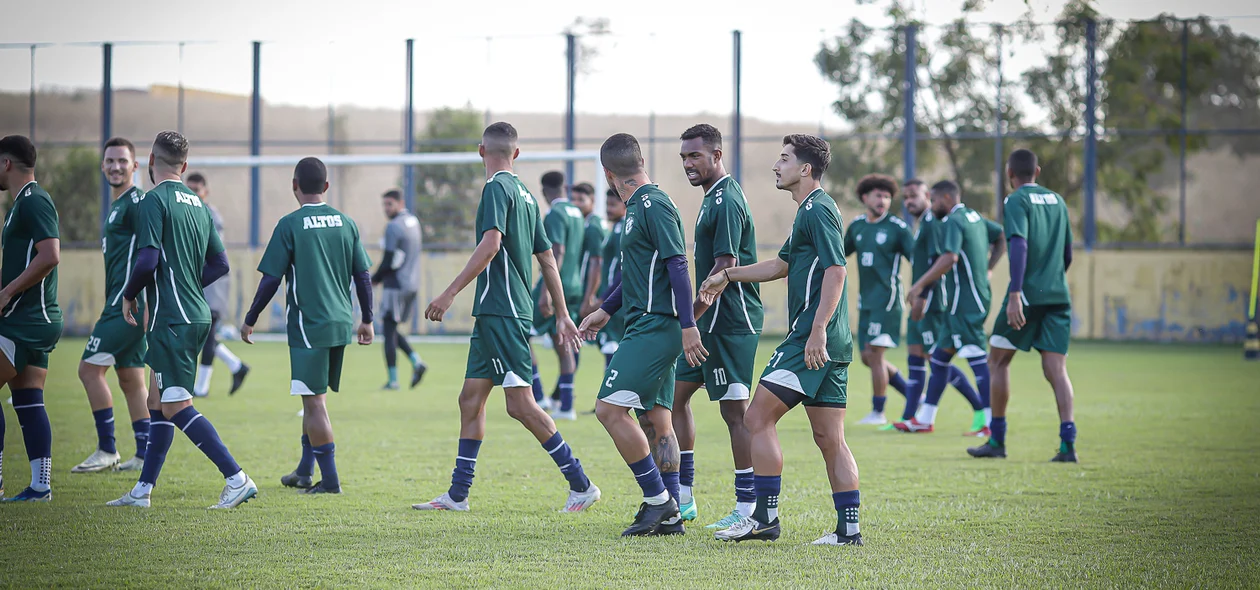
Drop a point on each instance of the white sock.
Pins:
(745, 508)
(773, 512)
(141, 490)
(236, 480)
(41, 473)
(684, 494)
(926, 414)
(202, 385)
(988, 416)
(658, 499)
(222, 353)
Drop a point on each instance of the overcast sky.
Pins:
(662, 56)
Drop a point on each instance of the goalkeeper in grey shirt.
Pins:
(399, 275)
(217, 294)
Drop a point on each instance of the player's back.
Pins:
(402, 234)
(1040, 216)
(508, 207)
(566, 214)
(967, 233)
(324, 252)
(174, 220)
(653, 233)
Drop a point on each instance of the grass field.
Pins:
(1167, 493)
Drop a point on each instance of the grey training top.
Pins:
(402, 237)
(217, 293)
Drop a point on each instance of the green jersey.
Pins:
(724, 227)
(317, 251)
(119, 247)
(612, 257)
(922, 258)
(816, 244)
(1040, 216)
(31, 220)
(173, 219)
(564, 225)
(653, 234)
(592, 245)
(879, 245)
(508, 207)
(968, 234)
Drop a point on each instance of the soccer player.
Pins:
(879, 241)
(565, 227)
(725, 237)
(114, 342)
(217, 295)
(30, 319)
(922, 334)
(509, 231)
(317, 251)
(1038, 306)
(655, 292)
(593, 237)
(178, 254)
(963, 239)
(810, 367)
(610, 274)
(399, 272)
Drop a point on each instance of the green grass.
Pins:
(1167, 494)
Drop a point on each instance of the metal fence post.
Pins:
(107, 119)
(409, 129)
(570, 117)
(1185, 58)
(999, 176)
(32, 97)
(1091, 133)
(179, 117)
(255, 149)
(909, 87)
(737, 110)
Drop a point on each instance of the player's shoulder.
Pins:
(728, 190)
(654, 197)
(860, 219)
(899, 222)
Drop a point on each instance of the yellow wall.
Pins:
(1120, 295)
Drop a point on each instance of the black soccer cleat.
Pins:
(671, 527)
(238, 378)
(293, 480)
(1066, 454)
(988, 450)
(650, 518)
(319, 488)
(417, 374)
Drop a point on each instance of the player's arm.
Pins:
(762, 272)
(1015, 224)
(557, 231)
(850, 244)
(997, 245)
(950, 236)
(553, 288)
(41, 222)
(276, 259)
(216, 261)
(392, 256)
(720, 265)
(482, 256)
(593, 267)
(148, 239)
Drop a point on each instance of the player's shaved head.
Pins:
(553, 180)
(947, 188)
(1022, 164)
(499, 139)
(621, 155)
(311, 176)
(18, 149)
(171, 148)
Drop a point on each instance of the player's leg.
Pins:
(827, 423)
(390, 338)
(132, 382)
(161, 433)
(919, 336)
(769, 404)
(684, 426)
(1054, 367)
(658, 426)
(563, 393)
(522, 408)
(925, 417)
(418, 368)
(536, 384)
(728, 377)
(999, 394)
(234, 364)
(318, 429)
(28, 403)
(873, 358)
(101, 401)
(205, 366)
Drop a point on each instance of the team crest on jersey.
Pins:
(881, 237)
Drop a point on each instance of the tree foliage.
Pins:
(447, 194)
(73, 178)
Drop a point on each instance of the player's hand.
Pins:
(712, 287)
(5, 298)
(918, 306)
(365, 332)
(247, 331)
(692, 347)
(544, 307)
(1015, 311)
(914, 293)
(437, 308)
(593, 323)
(129, 309)
(591, 306)
(567, 333)
(816, 349)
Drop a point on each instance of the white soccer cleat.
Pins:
(546, 405)
(834, 539)
(570, 415)
(130, 500)
(444, 502)
(874, 419)
(132, 464)
(579, 501)
(233, 497)
(97, 461)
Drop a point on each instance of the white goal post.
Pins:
(416, 159)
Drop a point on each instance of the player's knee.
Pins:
(608, 413)
(89, 372)
(866, 357)
(1054, 367)
(520, 410)
(733, 413)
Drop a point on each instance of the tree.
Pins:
(73, 178)
(447, 194)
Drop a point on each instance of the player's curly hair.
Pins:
(872, 182)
